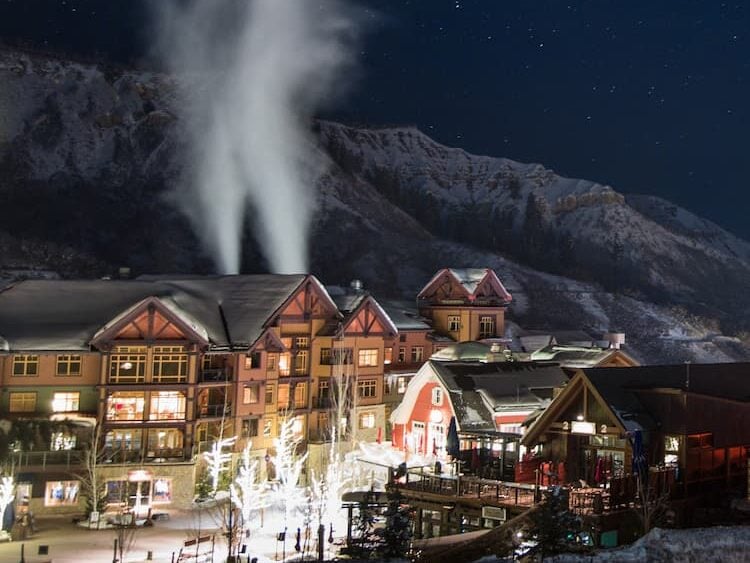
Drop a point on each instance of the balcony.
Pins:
(58, 460)
(215, 375)
(215, 411)
(164, 455)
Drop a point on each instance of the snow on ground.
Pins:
(707, 545)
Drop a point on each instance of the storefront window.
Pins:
(61, 493)
(162, 490)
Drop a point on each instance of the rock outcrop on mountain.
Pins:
(92, 159)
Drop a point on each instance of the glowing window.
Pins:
(367, 420)
(368, 357)
(167, 405)
(61, 493)
(22, 402)
(66, 402)
(125, 405)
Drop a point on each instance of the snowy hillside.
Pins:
(91, 159)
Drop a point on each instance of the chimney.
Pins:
(615, 339)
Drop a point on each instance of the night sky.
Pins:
(647, 96)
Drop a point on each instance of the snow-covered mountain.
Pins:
(90, 158)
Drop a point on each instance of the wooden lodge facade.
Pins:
(158, 367)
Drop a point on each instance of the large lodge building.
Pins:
(158, 367)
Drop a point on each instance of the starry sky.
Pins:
(648, 97)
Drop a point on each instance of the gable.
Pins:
(443, 287)
(150, 320)
(370, 319)
(310, 300)
(268, 342)
(491, 288)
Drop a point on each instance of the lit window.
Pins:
(388, 355)
(269, 393)
(22, 402)
(66, 402)
(162, 490)
(252, 361)
(284, 363)
(401, 354)
(417, 354)
(68, 365)
(61, 493)
(25, 365)
(300, 362)
(367, 420)
(368, 357)
(165, 442)
(301, 342)
(300, 395)
(271, 362)
(454, 323)
(402, 383)
(60, 441)
(170, 364)
(167, 405)
(437, 396)
(367, 388)
(486, 327)
(125, 405)
(250, 394)
(298, 425)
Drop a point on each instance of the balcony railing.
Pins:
(215, 375)
(151, 456)
(64, 458)
(214, 411)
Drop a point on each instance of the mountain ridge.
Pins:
(91, 161)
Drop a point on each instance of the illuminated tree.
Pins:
(217, 460)
(7, 494)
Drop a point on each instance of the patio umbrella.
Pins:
(639, 455)
(451, 440)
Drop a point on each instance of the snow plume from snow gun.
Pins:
(255, 72)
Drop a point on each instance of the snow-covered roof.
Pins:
(478, 390)
(66, 315)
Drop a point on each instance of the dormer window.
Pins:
(437, 396)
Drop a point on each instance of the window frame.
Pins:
(69, 360)
(70, 399)
(25, 398)
(29, 364)
(250, 392)
(367, 357)
(367, 388)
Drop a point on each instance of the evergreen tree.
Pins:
(554, 527)
(397, 534)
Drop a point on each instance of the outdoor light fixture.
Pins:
(126, 365)
(579, 417)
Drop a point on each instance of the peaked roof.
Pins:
(469, 279)
(620, 389)
(478, 390)
(65, 315)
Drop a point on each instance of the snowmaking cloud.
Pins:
(255, 72)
